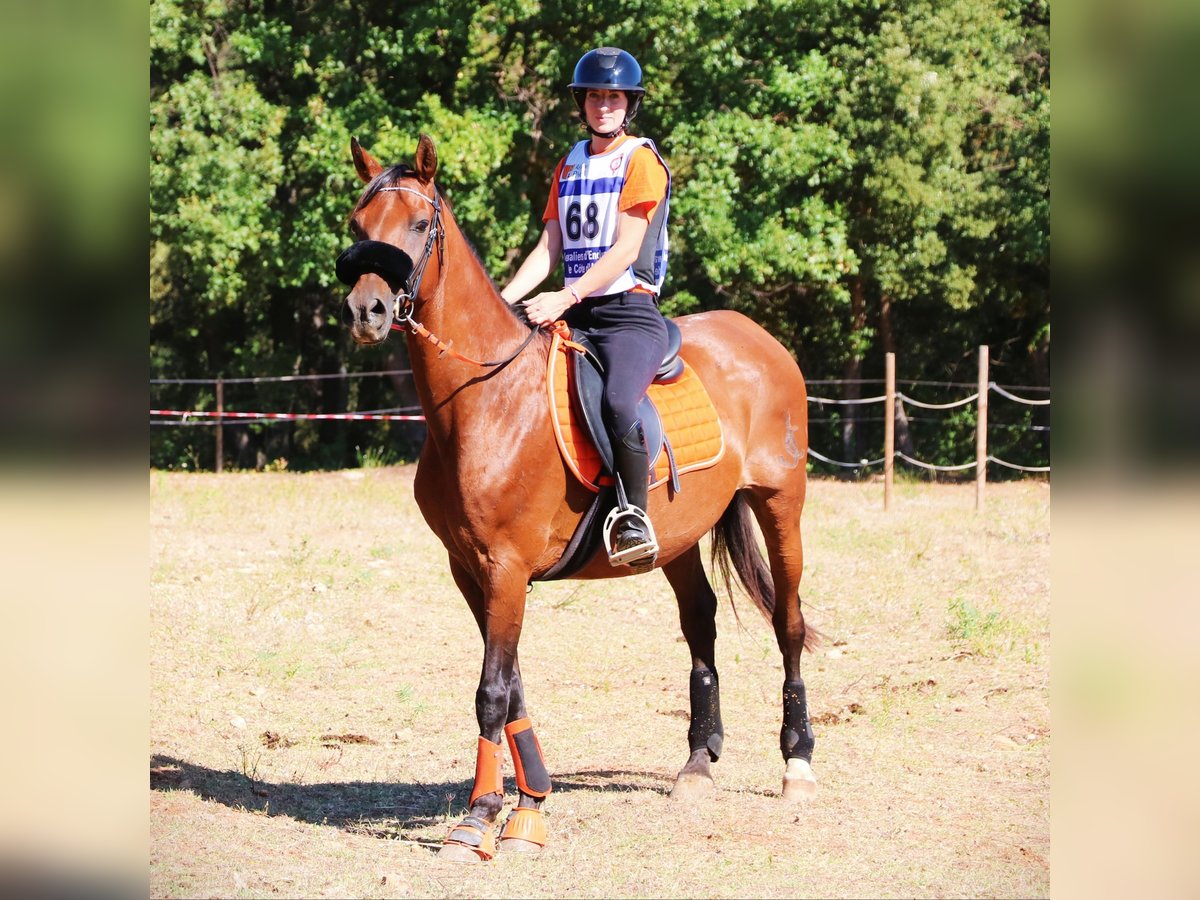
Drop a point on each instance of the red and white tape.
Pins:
(186, 414)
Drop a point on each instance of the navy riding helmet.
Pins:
(611, 69)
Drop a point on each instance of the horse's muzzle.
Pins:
(368, 316)
(367, 310)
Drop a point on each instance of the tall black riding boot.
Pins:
(631, 462)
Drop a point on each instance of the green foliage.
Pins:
(850, 174)
(981, 633)
(375, 458)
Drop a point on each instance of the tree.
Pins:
(854, 175)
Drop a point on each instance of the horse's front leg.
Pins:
(525, 828)
(500, 710)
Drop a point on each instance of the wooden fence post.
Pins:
(220, 465)
(981, 451)
(889, 430)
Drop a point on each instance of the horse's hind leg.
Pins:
(778, 514)
(697, 616)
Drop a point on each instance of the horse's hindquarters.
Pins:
(759, 392)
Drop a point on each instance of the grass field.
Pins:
(313, 672)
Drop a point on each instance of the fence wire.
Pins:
(268, 379)
(1003, 393)
(900, 395)
(210, 418)
(924, 465)
(186, 414)
(862, 464)
(854, 402)
(1019, 468)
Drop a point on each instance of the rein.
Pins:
(403, 306)
(411, 324)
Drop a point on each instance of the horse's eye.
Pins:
(421, 227)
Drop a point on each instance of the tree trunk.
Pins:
(852, 373)
(903, 438)
(888, 337)
(885, 324)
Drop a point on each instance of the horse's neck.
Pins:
(467, 311)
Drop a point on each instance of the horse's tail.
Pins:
(735, 549)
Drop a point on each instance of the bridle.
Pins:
(403, 305)
(403, 301)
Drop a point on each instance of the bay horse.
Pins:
(492, 485)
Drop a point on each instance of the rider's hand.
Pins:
(548, 307)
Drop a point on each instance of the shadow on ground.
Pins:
(381, 809)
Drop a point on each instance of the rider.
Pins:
(607, 218)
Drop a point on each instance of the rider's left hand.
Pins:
(547, 308)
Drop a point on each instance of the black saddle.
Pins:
(672, 365)
(588, 378)
(589, 387)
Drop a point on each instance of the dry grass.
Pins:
(313, 673)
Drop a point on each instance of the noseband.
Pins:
(393, 264)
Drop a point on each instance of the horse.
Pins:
(489, 486)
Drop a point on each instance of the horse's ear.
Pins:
(426, 159)
(364, 163)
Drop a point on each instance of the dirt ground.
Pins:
(313, 672)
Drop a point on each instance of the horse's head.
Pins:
(397, 228)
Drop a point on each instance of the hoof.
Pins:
(458, 853)
(516, 845)
(471, 840)
(799, 782)
(692, 786)
(524, 831)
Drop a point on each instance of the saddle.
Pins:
(680, 424)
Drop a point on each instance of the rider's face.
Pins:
(606, 109)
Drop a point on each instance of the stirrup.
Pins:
(634, 557)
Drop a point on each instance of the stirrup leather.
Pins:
(634, 555)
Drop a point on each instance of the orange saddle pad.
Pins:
(689, 420)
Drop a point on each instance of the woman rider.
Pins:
(607, 218)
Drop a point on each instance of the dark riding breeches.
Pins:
(630, 338)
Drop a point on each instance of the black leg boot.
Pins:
(631, 461)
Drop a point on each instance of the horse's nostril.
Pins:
(378, 309)
(347, 314)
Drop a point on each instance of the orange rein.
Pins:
(408, 323)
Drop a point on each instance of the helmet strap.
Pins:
(604, 134)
